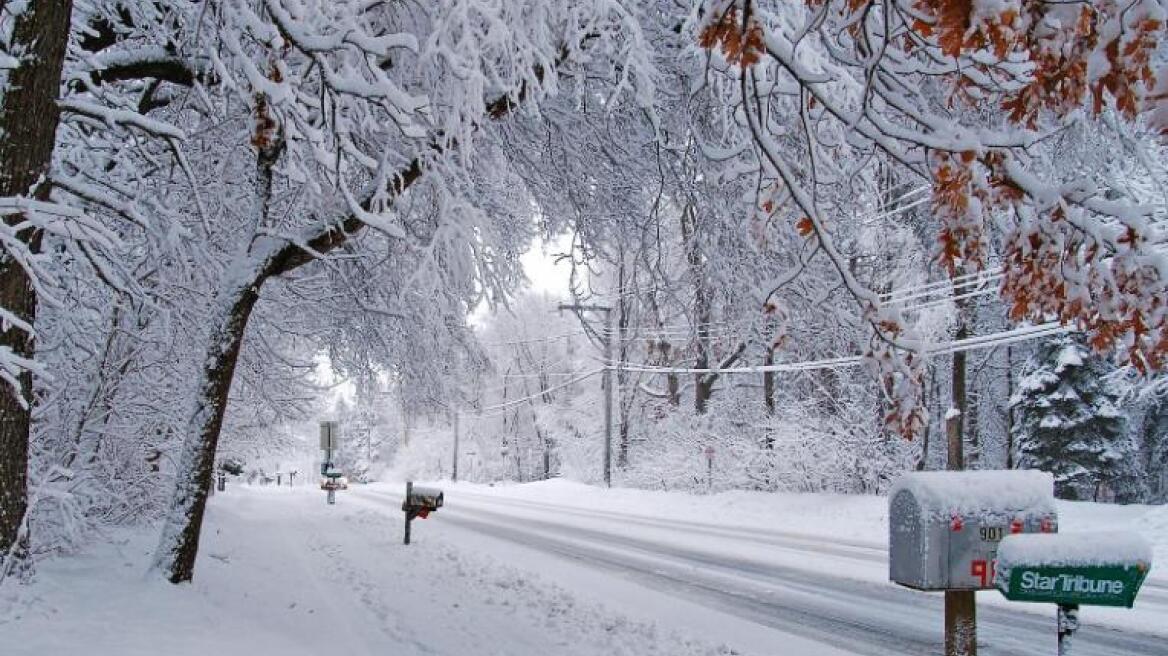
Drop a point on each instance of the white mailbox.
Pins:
(944, 527)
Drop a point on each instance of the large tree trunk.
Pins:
(28, 123)
(180, 535)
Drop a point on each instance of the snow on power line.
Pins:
(969, 344)
(928, 289)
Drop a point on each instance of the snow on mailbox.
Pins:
(945, 526)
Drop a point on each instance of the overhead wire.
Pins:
(534, 340)
(968, 344)
(914, 291)
(544, 392)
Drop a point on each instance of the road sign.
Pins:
(709, 453)
(329, 435)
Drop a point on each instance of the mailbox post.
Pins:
(419, 502)
(1072, 570)
(944, 531)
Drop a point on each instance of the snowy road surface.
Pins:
(550, 568)
(828, 591)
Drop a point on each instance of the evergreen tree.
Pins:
(1070, 424)
(1155, 443)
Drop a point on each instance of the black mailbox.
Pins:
(419, 502)
(422, 500)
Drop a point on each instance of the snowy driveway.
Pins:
(797, 590)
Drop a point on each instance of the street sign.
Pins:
(329, 435)
(1074, 569)
(709, 453)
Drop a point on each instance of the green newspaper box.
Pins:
(1075, 569)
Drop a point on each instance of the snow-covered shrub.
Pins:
(793, 450)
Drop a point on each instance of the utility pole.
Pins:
(608, 377)
(960, 605)
(454, 466)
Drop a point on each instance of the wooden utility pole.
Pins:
(608, 389)
(454, 465)
(768, 394)
(960, 605)
(1009, 407)
(608, 379)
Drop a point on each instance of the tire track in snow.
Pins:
(760, 606)
(787, 539)
(1153, 591)
(863, 617)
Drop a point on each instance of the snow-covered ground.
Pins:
(546, 568)
(280, 572)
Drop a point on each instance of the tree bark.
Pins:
(180, 535)
(28, 123)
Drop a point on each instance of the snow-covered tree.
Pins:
(1068, 422)
(1155, 437)
(237, 184)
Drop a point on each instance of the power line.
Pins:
(535, 340)
(514, 402)
(968, 344)
(949, 299)
(914, 291)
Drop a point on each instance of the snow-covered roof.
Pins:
(976, 491)
(1073, 549)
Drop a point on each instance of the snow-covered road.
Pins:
(791, 586)
(547, 568)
